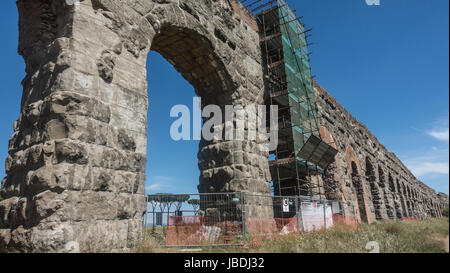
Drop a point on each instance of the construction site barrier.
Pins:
(200, 230)
(411, 219)
(221, 219)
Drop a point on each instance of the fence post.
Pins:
(144, 224)
(298, 208)
(244, 218)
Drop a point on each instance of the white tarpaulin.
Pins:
(313, 216)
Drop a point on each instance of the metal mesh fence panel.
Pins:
(198, 219)
(233, 218)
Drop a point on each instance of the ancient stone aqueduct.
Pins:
(76, 164)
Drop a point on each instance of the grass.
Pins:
(392, 237)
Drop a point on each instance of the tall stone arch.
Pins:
(401, 198)
(411, 203)
(358, 184)
(76, 164)
(375, 190)
(407, 199)
(383, 183)
(394, 198)
(334, 182)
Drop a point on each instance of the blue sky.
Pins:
(388, 65)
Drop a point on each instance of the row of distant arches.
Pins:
(391, 198)
(376, 193)
(407, 200)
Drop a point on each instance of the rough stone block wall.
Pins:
(443, 200)
(76, 164)
(389, 190)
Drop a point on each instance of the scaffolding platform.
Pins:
(301, 155)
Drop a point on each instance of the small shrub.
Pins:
(445, 212)
(393, 228)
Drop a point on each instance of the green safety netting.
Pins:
(298, 75)
(309, 148)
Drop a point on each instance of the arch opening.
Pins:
(407, 202)
(359, 191)
(164, 153)
(382, 183)
(410, 203)
(376, 198)
(402, 199)
(393, 190)
(332, 179)
(192, 55)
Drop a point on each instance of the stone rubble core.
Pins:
(76, 163)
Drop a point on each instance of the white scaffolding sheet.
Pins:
(313, 217)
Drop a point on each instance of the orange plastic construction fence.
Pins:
(412, 219)
(350, 222)
(200, 230)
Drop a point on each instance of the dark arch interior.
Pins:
(382, 183)
(354, 168)
(398, 212)
(381, 178)
(391, 184)
(376, 200)
(400, 191)
(358, 185)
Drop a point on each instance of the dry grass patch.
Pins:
(427, 236)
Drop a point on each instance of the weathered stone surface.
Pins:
(76, 164)
(388, 189)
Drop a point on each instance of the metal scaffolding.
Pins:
(301, 155)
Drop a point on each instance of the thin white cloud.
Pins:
(440, 134)
(429, 168)
(430, 164)
(435, 161)
(160, 183)
(439, 129)
(157, 187)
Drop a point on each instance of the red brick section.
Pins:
(328, 138)
(350, 157)
(245, 14)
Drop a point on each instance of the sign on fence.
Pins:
(285, 205)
